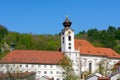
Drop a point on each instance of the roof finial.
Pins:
(67, 22)
(66, 16)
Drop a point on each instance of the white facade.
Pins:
(52, 71)
(67, 40)
(94, 60)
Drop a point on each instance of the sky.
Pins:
(47, 16)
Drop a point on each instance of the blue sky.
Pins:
(47, 16)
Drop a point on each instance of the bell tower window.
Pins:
(69, 43)
(69, 47)
(63, 39)
(69, 38)
(62, 33)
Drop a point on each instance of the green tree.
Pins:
(81, 35)
(93, 34)
(68, 73)
(104, 67)
(3, 32)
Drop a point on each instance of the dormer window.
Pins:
(69, 38)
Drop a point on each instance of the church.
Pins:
(83, 55)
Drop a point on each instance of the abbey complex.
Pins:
(43, 65)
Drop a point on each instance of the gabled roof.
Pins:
(33, 56)
(88, 49)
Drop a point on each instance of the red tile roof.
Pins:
(88, 49)
(104, 78)
(33, 56)
(21, 75)
(116, 65)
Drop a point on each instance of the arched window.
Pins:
(63, 39)
(69, 38)
(90, 67)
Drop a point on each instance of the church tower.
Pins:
(67, 37)
(67, 46)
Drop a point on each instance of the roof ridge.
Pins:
(36, 50)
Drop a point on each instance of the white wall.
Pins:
(85, 60)
(75, 59)
(65, 43)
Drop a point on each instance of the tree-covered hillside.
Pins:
(109, 38)
(102, 38)
(31, 41)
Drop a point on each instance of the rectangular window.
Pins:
(119, 68)
(58, 79)
(39, 72)
(81, 76)
(57, 72)
(51, 72)
(32, 65)
(20, 65)
(26, 65)
(45, 66)
(90, 67)
(39, 66)
(1, 65)
(13, 65)
(51, 66)
(57, 66)
(76, 69)
(45, 72)
(7, 65)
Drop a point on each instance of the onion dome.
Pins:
(67, 22)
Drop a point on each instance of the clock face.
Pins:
(68, 33)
